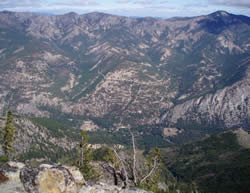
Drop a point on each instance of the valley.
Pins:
(121, 72)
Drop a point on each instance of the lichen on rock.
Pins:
(48, 179)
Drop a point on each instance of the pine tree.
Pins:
(85, 157)
(111, 158)
(112, 161)
(8, 137)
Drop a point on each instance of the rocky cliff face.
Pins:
(124, 72)
(228, 107)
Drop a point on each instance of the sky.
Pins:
(137, 8)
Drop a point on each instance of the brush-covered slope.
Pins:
(42, 138)
(219, 163)
(104, 71)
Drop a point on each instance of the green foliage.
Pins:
(111, 158)
(109, 137)
(85, 157)
(217, 164)
(147, 137)
(151, 183)
(8, 137)
(100, 153)
(4, 159)
(57, 129)
(49, 152)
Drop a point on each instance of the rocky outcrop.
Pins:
(12, 184)
(77, 175)
(49, 179)
(226, 108)
(21, 178)
(12, 170)
(243, 137)
(63, 179)
(104, 188)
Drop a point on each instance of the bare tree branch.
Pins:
(123, 167)
(134, 157)
(151, 171)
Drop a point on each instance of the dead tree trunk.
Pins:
(134, 158)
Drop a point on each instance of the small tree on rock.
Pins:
(134, 172)
(85, 157)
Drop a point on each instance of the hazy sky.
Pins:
(155, 8)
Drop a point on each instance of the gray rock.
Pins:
(77, 175)
(12, 171)
(12, 186)
(63, 179)
(104, 188)
(230, 106)
(48, 179)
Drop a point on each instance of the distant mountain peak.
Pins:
(7, 12)
(220, 13)
(71, 13)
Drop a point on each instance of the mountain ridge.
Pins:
(217, 163)
(124, 72)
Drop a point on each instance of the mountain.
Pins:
(174, 79)
(42, 139)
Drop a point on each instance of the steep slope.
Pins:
(121, 72)
(41, 138)
(228, 107)
(217, 163)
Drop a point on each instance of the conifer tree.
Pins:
(8, 137)
(85, 157)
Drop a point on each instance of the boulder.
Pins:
(48, 179)
(63, 179)
(77, 175)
